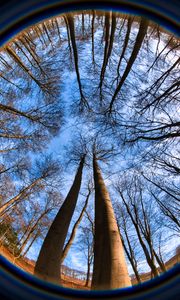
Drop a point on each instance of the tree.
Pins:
(75, 227)
(48, 262)
(44, 171)
(127, 239)
(70, 21)
(140, 216)
(109, 270)
(137, 46)
(86, 245)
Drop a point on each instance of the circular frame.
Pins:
(15, 16)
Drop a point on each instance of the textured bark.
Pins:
(110, 269)
(48, 262)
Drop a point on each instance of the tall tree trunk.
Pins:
(106, 28)
(110, 269)
(137, 46)
(92, 36)
(48, 262)
(70, 21)
(126, 40)
(111, 40)
(68, 36)
(82, 24)
(47, 34)
(73, 233)
(57, 26)
(88, 272)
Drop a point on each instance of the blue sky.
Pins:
(69, 93)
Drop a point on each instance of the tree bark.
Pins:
(110, 269)
(48, 262)
(73, 233)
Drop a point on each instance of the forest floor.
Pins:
(28, 266)
(68, 281)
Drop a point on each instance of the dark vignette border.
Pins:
(17, 15)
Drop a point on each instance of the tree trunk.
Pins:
(48, 262)
(126, 40)
(31, 243)
(70, 21)
(88, 273)
(47, 34)
(103, 69)
(110, 269)
(82, 25)
(143, 245)
(31, 231)
(92, 36)
(111, 40)
(160, 263)
(73, 233)
(132, 261)
(23, 193)
(15, 111)
(137, 46)
(17, 59)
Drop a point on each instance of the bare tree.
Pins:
(48, 262)
(110, 269)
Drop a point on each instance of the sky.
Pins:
(59, 61)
